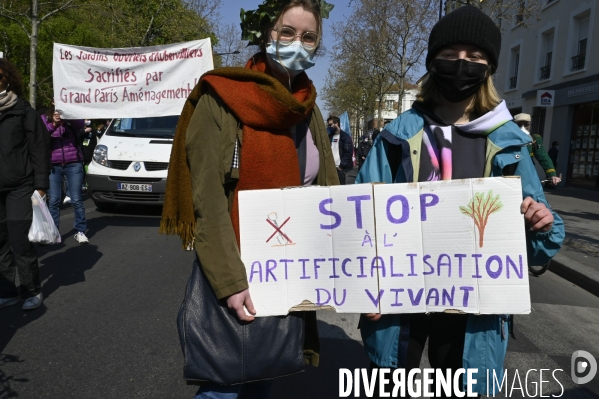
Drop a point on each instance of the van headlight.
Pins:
(101, 155)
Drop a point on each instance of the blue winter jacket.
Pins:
(486, 340)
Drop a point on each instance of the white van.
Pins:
(130, 162)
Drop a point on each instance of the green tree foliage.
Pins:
(98, 23)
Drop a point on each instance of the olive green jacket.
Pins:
(538, 151)
(210, 146)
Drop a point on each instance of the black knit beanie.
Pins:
(466, 25)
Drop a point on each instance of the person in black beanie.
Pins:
(459, 128)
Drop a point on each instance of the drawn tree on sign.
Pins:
(480, 208)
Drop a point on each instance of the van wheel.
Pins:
(104, 206)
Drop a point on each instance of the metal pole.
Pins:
(440, 8)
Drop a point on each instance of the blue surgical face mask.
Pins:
(292, 59)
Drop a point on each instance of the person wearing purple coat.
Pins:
(67, 162)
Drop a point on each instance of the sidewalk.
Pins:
(578, 260)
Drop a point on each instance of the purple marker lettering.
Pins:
(334, 267)
(377, 263)
(424, 204)
(397, 291)
(434, 297)
(415, 301)
(476, 258)
(466, 290)
(303, 261)
(447, 263)
(425, 260)
(447, 297)
(285, 261)
(318, 301)
(405, 209)
(343, 269)
(361, 275)
(393, 274)
(509, 262)
(491, 273)
(326, 212)
(358, 203)
(335, 297)
(316, 267)
(254, 271)
(460, 257)
(412, 266)
(375, 301)
(271, 265)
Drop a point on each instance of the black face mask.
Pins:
(458, 80)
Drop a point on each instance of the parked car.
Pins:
(130, 162)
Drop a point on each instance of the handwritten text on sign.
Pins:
(127, 82)
(395, 248)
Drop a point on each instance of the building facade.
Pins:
(550, 70)
(390, 109)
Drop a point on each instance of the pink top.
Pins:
(312, 160)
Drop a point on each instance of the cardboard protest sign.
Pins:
(454, 245)
(131, 82)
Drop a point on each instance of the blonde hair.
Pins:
(483, 101)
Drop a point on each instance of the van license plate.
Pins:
(134, 187)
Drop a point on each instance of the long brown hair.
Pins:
(13, 77)
(484, 100)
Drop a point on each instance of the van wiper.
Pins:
(122, 134)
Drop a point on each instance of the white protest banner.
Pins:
(131, 82)
(454, 245)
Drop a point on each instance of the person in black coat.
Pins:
(25, 167)
(341, 146)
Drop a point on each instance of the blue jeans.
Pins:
(74, 173)
(252, 390)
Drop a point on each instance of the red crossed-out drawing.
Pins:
(278, 230)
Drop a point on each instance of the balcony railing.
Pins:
(578, 61)
(545, 72)
(513, 82)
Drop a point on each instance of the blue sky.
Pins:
(230, 14)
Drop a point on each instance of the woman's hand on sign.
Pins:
(537, 216)
(236, 302)
(373, 316)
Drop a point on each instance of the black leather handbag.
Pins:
(219, 348)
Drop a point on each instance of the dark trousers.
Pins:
(341, 175)
(445, 333)
(16, 252)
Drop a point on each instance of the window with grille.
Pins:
(578, 61)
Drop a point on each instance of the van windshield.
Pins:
(154, 127)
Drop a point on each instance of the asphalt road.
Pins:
(107, 327)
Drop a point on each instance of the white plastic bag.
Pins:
(43, 229)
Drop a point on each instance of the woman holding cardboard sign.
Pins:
(458, 129)
(248, 128)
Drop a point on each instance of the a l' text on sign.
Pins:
(397, 248)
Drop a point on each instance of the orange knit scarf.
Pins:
(268, 156)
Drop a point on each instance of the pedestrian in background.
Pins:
(363, 149)
(553, 152)
(25, 165)
(67, 162)
(342, 147)
(248, 128)
(537, 150)
(458, 129)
